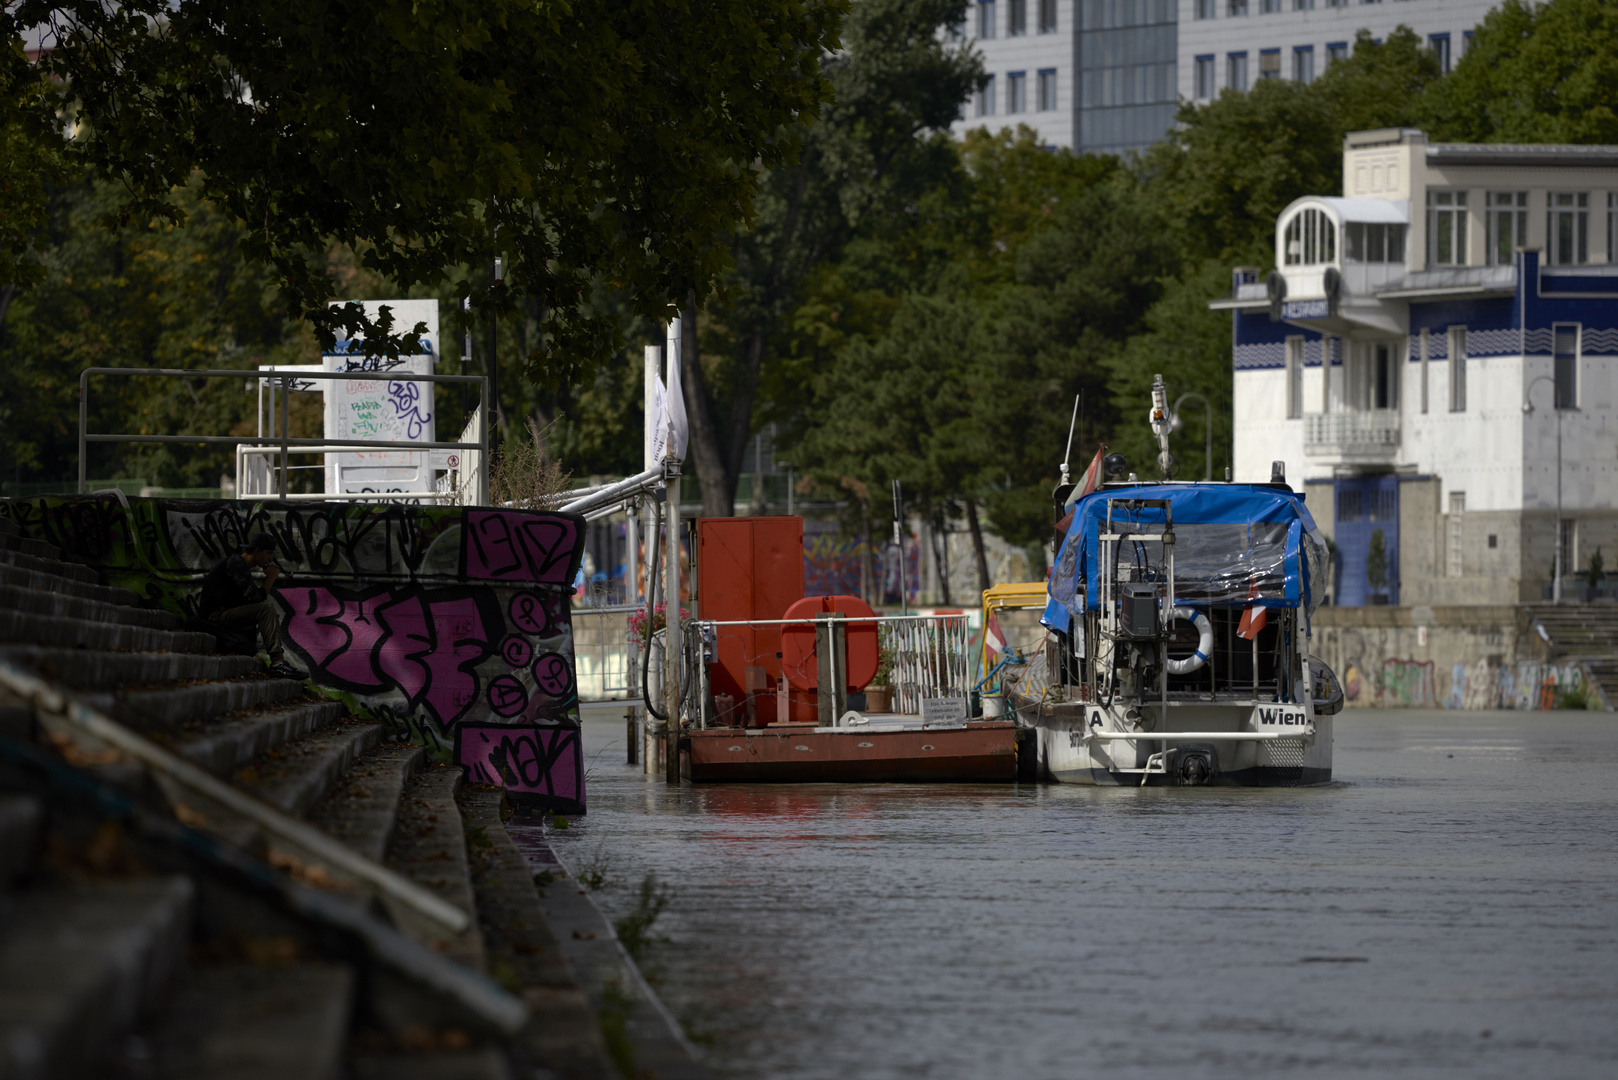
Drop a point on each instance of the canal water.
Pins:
(1448, 906)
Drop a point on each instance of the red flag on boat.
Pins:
(993, 635)
(1254, 616)
(1092, 481)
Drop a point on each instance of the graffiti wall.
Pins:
(436, 621)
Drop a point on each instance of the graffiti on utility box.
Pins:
(425, 618)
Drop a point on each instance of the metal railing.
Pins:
(285, 442)
(1360, 430)
(606, 662)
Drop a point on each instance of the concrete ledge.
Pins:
(297, 775)
(56, 583)
(92, 669)
(30, 628)
(1420, 615)
(52, 567)
(77, 607)
(231, 743)
(166, 708)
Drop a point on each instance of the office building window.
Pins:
(1294, 377)
(1457, 511)
(1612, 226)
(986, 20)
(1236, 7)
(1236, 71)
(1336, 51)
(1508, 225)
(1269, 64)
(1373, 243)
(1440, 46)
(986, 97)
(1446, 228)
(1016, 92)
(1303, 64)
(1567, 366)
(1205, 80)
(1017, 24)
(1457, 369)
(1303, 5)
(1568, 548)
(1206, 8)
(1047, 90)
(1269, 7)
(1466, 42)
(1384, 377)
(1047, 16)
(1567, 228)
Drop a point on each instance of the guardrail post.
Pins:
(286, 434)
(84, 415)
(831, 647)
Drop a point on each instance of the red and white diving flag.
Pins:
(994, 637)
(1254, 616)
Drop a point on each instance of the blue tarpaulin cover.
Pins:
(1234, 544)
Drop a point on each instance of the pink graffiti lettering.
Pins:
(541, 761)
(506, 696)
(528, 613)
(340, 637)
(552, 674)
(516, 651)
(518, 545)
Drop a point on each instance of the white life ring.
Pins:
(1204, 642)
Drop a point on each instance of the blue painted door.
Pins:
(1367, 515)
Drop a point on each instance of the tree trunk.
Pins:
(977, 545)
(718, 485)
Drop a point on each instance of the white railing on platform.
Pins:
(606, 662)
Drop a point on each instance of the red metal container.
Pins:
(748, 568)
(984, 750)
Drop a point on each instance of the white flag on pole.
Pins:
(674, 400)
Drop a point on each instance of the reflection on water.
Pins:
(1451, 904)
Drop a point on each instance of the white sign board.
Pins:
(393, 410)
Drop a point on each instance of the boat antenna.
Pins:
(1161, 422)
(1067, 455)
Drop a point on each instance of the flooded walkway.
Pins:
(1450, 905)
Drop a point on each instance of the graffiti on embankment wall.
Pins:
(1528, 685)
(432, 620)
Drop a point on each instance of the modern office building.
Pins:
(1435, 360)
(1105, 76)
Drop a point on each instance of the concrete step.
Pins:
(50, 582)
(16, 716)
(20, 819)
(487, 1064)
(77, 966)
(165, 708)
(224, 745)
(428, 846)
(362, 807)
(39, 549)
(53, 567)
(240, 1022)
(89, 669)
(296, 776)
(40, 602)
(74, 633)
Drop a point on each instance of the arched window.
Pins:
(1310, 238)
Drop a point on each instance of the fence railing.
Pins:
(606, 662)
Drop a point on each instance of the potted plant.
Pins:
(879, 694)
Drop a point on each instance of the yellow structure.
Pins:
(1019, 595)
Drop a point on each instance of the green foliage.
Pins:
(1597, 569)
(634, 929)
(614, 143)
(1376, 561)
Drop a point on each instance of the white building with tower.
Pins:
(1435, 359)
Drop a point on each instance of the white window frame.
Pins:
(1046, 90)
(1426, 345)
(1205, 77)
(1303, 63)
(1571, 208)
(1457, 369)
(1236, 71)
(1447, 208)
(1508, 222)
(1566, 391)
(988, 17)
(1294, 350)
(1455, 552)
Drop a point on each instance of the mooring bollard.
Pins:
(631, 736)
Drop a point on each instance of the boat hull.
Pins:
(980, 751)
(1070, 754)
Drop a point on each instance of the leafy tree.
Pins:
(612, 143)
(1535, 73)
(875, 152)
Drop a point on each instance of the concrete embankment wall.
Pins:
(451, 625)
(1463, 657)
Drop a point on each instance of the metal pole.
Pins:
(84, 423)
(286, 433)
(484, 464)
(671, 613)
(1556, 592)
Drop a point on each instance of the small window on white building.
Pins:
(1570, 549)
(1207, 9)
(1457, 369)
(1567, 228)
(1047, 16)
(1204, 77)
(1457, 512)
(1508, 225)
(1294, 377)
(986, 97)
(1446, 228)
(1269, 63)
(1016, 92)
(1017, 24)
(1047, 90)
(1567, 366)
(1303, 64)
(1373, 243)
(1303, 5)
(1269, 7)
(1310, 238)
(1236, 7)
(1236, 69)
(987, 20)
(1384, 386)
(1440, 47)
(1337, 50)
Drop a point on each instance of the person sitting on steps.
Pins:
(231, 598)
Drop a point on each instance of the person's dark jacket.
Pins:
(229, 584)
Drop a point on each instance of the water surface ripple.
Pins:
(1449, 906)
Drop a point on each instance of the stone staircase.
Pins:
(140, 940)
(1587, 633)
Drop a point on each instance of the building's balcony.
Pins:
(1369, 436)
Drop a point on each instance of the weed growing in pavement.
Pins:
(594, 870)
(635, 929)
(613, 1017)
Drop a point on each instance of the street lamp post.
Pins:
(1528, 408)
(1207, 449)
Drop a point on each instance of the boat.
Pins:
(1178, 619)
(864, 748)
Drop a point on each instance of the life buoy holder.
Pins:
(1204, 642)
